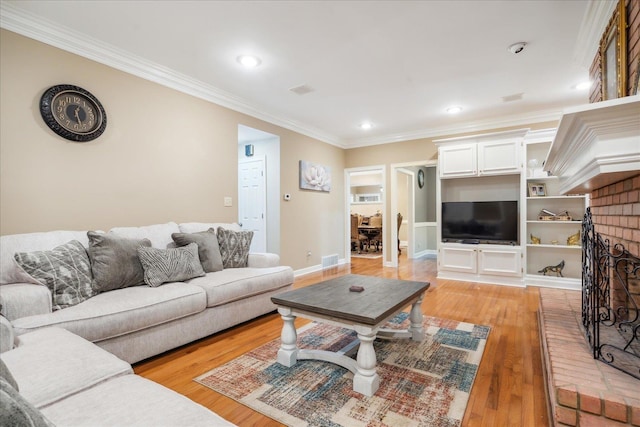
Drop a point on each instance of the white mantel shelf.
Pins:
(596, 145)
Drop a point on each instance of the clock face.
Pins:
(73, 113)
(420, 178)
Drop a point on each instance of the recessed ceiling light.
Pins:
(366, 125)
(454, 110)
(583, 85)
(248, 61)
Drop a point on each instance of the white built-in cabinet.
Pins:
(480, 158)
(503, 166)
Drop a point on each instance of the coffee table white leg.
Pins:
(366, 379)
(416, 330)
(288, 352)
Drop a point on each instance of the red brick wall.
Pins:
(616, 213)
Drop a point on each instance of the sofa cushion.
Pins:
(237, 283)
(131, 400)
(208, 248)
(158, 234)
(234, 247)
(65, 270)
(194, 227)
(6, 375)
(16, 411)
(51, 364)
(28, 242)
(170, 265)
(119, 312)
(114, 261)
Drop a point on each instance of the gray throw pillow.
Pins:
(170, 265)
(114, 261)
(65, 270)
(208, 248)
(234, 247)
(16, 411)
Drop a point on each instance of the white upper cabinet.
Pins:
(479, 155)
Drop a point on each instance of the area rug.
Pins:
(368, 255)
(421, 384)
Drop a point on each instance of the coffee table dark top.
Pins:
(380, 299)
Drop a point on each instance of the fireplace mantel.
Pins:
(596, 145)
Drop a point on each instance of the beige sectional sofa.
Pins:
(54, 377)
(138, 322)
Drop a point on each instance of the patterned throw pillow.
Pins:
(65, 270)
(208, 248)
(234, 247)
(170, 265)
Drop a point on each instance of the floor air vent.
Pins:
(329, 261)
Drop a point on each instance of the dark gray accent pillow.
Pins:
(65, 270)
(170, 265)
(114, 261)
(6, 375)
(234, 247)
(208, 248)
(16, 411)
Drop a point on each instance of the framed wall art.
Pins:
(613, 56)
(315, 177)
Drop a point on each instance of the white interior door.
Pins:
(252, 205)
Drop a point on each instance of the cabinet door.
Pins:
(499, 157)
(501, 262)
(458, 259)
(458, 160)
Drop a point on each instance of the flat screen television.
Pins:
(480, 222)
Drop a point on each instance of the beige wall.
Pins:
(165, 156)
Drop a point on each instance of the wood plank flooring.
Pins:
(509, 387)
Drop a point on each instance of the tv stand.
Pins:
(480, 262)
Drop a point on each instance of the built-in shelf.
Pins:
(537, 221)
(548, 246)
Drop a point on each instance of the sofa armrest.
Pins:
(24, 299)
(7, 336)
(263, 260)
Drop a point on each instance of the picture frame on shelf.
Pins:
(537, 189)
(613, 56)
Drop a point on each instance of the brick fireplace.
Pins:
(596, 151)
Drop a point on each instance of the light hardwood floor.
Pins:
(509, 387)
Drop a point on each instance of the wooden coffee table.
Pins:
(365, 312)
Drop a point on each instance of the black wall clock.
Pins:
(420, 178)
(73, 113)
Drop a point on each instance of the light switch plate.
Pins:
(228, 202)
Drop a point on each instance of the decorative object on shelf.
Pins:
(315, 177)
(73, 113)
(420, 178)
(547, 215)
(574, 239)
(613, 56)
(554, 242)
(535, 240)
(553, 269)
(537, 190)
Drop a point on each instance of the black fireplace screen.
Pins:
(610, 300)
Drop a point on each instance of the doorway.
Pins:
(417, 205)
(365, 197)
(259, 187)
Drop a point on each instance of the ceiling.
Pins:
(397, 64)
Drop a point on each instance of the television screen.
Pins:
(480, 222)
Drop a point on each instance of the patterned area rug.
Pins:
(421, 384)
(368, 255)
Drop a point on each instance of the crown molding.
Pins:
(594, 22)
(29, 25)
(479, 126)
